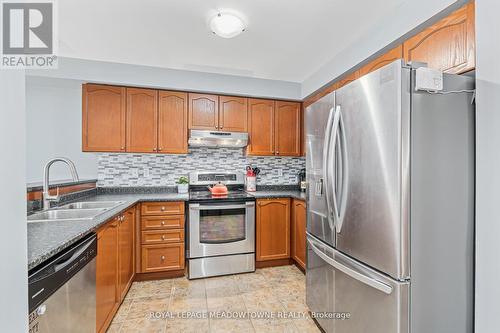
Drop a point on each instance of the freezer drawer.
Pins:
(336, 283)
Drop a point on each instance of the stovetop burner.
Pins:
(199, 182)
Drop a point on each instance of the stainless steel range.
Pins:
(221, 228)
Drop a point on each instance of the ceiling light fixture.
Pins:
(227, 25)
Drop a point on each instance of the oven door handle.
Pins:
(203, 207)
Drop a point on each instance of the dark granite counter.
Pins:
(46, 239)
(272, 194)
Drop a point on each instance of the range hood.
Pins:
(215, 139)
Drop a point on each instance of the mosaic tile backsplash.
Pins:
(163, 170)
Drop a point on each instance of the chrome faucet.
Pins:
(47, 198)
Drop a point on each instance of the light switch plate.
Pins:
(428, 79)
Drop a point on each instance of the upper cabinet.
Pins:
(394, 54)
(261, 127)
(274, 127)
(448, 45)
(287, 128)
(203, 112)
(172, 122)
(233, 114)
(142, 120)
(103, 118)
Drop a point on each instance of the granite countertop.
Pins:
(45, 239)
(38, 186)
(269, 194)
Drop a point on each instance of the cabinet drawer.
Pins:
(162, 222)
(162, 208)
(164, 257)
(161, 237)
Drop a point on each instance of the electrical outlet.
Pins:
(280, 172)
(145, 172)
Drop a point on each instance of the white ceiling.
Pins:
(285, 39)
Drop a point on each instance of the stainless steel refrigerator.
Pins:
(390, 205)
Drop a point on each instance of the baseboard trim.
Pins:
(159, 275)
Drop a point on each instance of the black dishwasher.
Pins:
(62, 291)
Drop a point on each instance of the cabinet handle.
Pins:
(162, 258)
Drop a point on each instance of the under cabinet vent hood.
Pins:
(211, 139)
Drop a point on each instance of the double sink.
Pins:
(75, 211)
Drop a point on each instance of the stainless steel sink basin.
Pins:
(91, 205)
(66, 214)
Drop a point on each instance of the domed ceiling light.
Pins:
(227, 25)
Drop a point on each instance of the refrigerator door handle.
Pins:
(345, 173)
(326, 148)
(334, 136)
(383, 287)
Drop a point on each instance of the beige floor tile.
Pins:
(122, 311)
(144, 325)
(184, 304)
(274, 326)
(231, 326)
(114, 328)
(179, 325)
(189, 288)
(228, 303)
(143, 307)
(306, 325)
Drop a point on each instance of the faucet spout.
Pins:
(47, 197)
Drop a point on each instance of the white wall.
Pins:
(488, 167)
(54, 128)
(402, 20)
(13, 244)
(163, 78)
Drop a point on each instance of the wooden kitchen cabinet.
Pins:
(163, 257)
(142, 120)
(233, 114)
(385, 59)
(448, 45)
(287, 128)
(172, 122)
(106, 274)
(260, 127)
(103, 118)
(126, 230)
(203, 112)
(273, 229)
(298, 239)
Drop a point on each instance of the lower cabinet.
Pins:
(273, 229)
(114, 266)
(299, 232)
(106, 274)
(162, 238)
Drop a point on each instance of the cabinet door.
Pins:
(163, 257)
(203, 112)
(273, 229)
(392, 55)
(103, 118)
(287, 128)
(448, 45)
(233, 114)
(172, 122)
(261, 127)
(126, 230)
(106, 273)
(142, 120)
(299, 232)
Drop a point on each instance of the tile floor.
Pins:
(277, 294)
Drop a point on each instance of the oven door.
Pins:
(221, 229)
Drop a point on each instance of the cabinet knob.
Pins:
(154, 149)
(162, 222)
(159, 149)
(163, 237)
(277, 153)
(162, 258)
(122, 148)
(162, 208)
(216, 127)
(221, 127)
